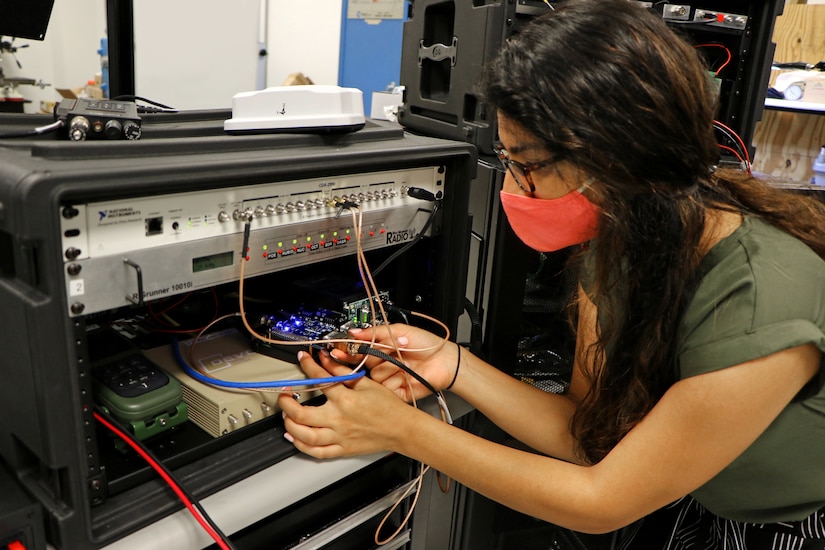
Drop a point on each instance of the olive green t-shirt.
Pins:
(762, 291)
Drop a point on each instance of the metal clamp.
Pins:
(139, 273)
(437, 52)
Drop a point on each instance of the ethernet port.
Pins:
(154, 226)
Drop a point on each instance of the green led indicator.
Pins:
(265, 247)
(294, 241)
(347, 231)
(309, 239)
(280, 244)
(335, 234)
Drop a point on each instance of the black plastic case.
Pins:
(447, 42)
(21, 519)
(48, 438)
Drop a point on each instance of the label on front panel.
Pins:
(316, 242)
(124, 226)
(77, 288)
(111, 216)
(396, 237)
(155, 247)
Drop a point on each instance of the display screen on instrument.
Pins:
(213, 261)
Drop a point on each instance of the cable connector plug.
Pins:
(366, 349)
(421, 194)
(245, 249)
(352, 348)
(345, 205)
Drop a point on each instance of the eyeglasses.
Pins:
(521, 172)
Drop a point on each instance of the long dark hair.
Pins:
(610, 88)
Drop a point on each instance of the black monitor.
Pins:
(25, 18)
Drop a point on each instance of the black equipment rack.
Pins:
(447, 42)
(49, 441)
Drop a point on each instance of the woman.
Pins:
(697, 389)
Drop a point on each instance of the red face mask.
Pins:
(547, 225)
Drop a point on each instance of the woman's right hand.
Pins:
(429, 355)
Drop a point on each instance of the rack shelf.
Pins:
(805, 107)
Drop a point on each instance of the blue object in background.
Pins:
(370, 58)
(819, 167)
(103, 52)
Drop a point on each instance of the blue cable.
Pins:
(259, 385)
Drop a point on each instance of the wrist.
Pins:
(457, 368)
(407, 433)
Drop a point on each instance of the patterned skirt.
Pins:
(687, 525)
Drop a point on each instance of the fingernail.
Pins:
(355, 330)
(403, 340)
(301, 355)
(289, 437)
(283, 415)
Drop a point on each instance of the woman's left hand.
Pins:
(359, 417)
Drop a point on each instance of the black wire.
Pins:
(138, 98)
(143, 109)
(56, 125)
(732, 138)
(124, 433)
(689, 23)
(365, 349)
(410, 244)
(403, 313)
(246, 229)
(475, 325)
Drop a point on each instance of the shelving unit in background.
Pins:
(789, 136)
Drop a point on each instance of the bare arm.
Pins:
(502, 398)
(508, 402)
(699, 426)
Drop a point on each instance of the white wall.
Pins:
(195, 54)
(200, 61)
(67, 57)
(304, 36)
(189, 54)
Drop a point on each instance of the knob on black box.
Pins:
(86, 118)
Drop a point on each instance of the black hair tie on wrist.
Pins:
(457, 366)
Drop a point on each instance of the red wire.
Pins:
(725, 64)
(739, 139)
(169, 481)
(156, 317)
(732, 150)
(157, 314)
